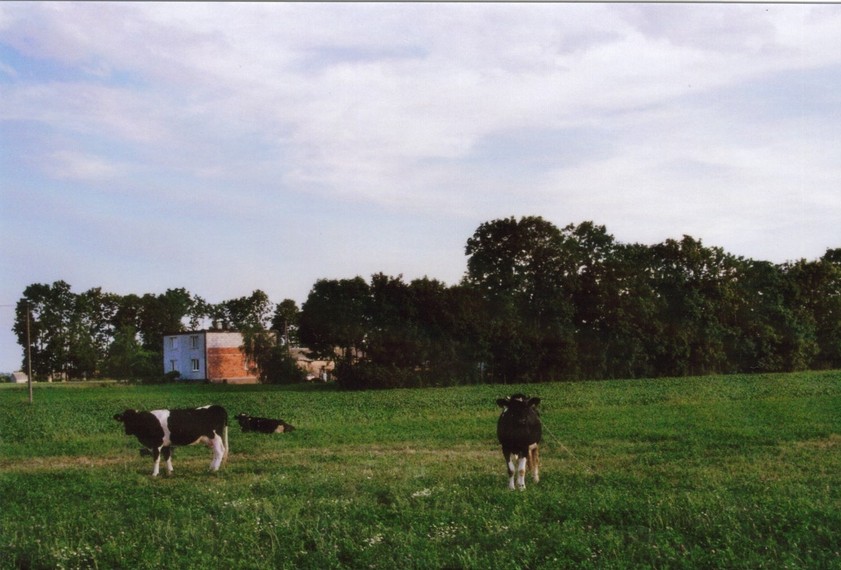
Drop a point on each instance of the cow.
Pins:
(263, 425)
(519, 431)
(160, 430)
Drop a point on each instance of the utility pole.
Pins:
(28, 354)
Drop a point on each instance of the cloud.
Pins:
(78, 166)
(227, 147)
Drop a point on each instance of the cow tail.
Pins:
(227, 447)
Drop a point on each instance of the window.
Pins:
(194, 363)
(173, 342)
(194, 342)
(173, 365)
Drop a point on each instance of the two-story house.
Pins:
(216, 356)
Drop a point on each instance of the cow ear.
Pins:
(534, 402)
(118, 417)
(502, 402)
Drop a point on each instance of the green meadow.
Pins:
(709, 472)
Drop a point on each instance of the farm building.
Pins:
(216, 356)
(19, 378)
(317, 370)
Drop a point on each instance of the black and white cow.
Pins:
(160, 430)
(263, 425)
(519, 431)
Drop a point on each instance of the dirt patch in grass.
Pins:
(831, 442)
(57, 463)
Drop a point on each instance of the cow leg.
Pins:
(521, 471)
(166, 452)
(510, 464)
(218, 452)
(156, 457)
(534, 461)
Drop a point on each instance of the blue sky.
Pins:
(227, 148)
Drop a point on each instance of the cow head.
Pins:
(519, 406)
(128, 419)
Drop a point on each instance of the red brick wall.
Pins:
(226, 363)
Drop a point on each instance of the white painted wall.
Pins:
(180, 352)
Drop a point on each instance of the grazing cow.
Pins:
(519, 431)
(263, 425)
(160, 430)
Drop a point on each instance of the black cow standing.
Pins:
(160, 430)
(519, 431)
(263, 425)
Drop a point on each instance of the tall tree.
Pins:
(285, 321)
(50, 313)
(163, 314)
(127, 359)
(252, 313)
(90, 332)
(758, 319)
(335, 316)
(526, 270)
(828, 311)
(691, 282)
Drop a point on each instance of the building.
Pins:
(317, 370)
(215, 356)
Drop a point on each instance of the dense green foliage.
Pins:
(540, 303)
(537, 303)
(713, 472)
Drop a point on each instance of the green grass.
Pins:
(714, 472)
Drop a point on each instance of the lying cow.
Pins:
(160, 430)
(263, 425)
(519, 431)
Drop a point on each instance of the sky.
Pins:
(228, 148)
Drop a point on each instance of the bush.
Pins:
(172, 376)
(278, 367)
(366, 375)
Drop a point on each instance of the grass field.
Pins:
(714, 472)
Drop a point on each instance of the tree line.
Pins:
(537, 303)
(99, 334)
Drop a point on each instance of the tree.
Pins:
(50, 309)
(285, 321)
(828, 311)
(90, 332)
(526, 271)
(246, 313)
(163, 314)
(758, 319)
(127, 359)
(692, 283)
(335, 316)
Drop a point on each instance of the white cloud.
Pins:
(345, 135)
(79, 166)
